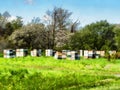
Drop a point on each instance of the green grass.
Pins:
(47, 73)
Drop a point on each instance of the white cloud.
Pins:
(29, 1)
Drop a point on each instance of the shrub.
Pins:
(1, 54)
(117, 55)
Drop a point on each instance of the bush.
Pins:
(117, 55)
(111, 57)
(1, 54)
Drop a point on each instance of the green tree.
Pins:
(8, 29)
(30, 36)
(17, 23)
(117, 36)
(96, 36)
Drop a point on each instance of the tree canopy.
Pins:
(58, 31)
(97, 36)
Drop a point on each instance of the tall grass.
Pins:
(47, 73)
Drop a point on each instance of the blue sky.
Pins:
(87, 11)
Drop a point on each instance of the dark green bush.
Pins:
(1, 54)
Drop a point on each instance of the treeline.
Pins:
(57, 31)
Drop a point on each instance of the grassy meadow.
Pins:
(47, 73)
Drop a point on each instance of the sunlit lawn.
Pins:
(47, 73)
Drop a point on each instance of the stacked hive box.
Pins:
(64, 56)
(8, 53)
(59, 55)
(81, 53)
(102, 53)
(53, 53)
(49, 52)
(85, 53)
(65, 51)
(75, 55)
(33, 52)
(98, 54)
(90, 54)
(72, 55)
(36, 52)
(68, 54)
(21, 52)
(39, 52)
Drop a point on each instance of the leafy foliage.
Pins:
(98, 36)
(58, 32)
(117, 36)
(31, 36)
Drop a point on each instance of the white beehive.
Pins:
(85, 53)
(98, 52)
(102, 53)
(36, 52)
(21, 52)
(68, 54)
(49, 52)
(81, 53)
(59, 55)
(75, 55)
(9, 53)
